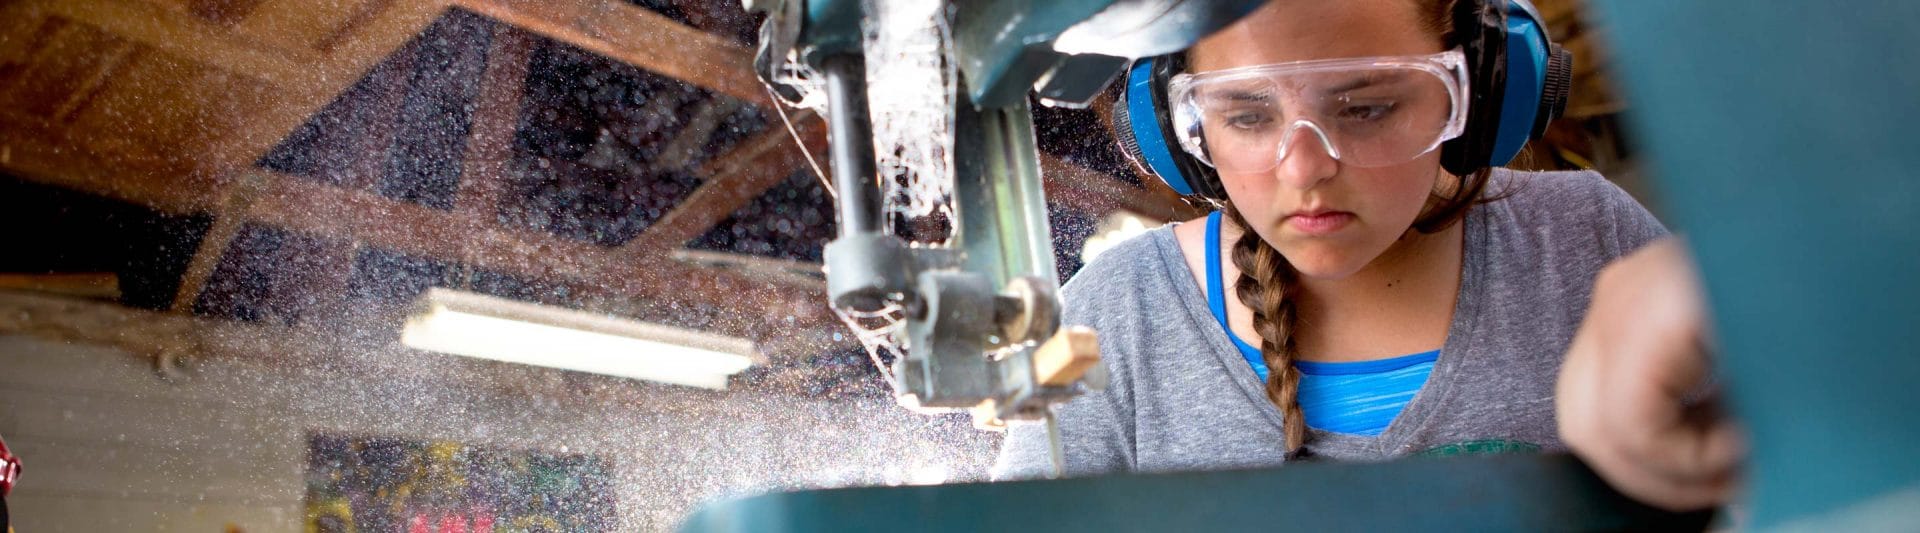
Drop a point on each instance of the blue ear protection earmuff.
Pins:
(1149, 140)
(1520, 83)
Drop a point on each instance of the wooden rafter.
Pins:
(496, 114)
(290, 203)
(637, 36)
(301, 78)
(736, 178)
(606, 26)
(364, 45)
(37, 151)
(232, 158)
(213, 245)
(83, 284)
(304, 206)
(692, 136)
(182, 34)
(303, 24)
(109, 65)
(1093, 191)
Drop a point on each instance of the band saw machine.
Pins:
(979, 313)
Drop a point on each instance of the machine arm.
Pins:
(980, 320)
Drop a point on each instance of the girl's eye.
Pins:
(1246, 120)
(1366, 113)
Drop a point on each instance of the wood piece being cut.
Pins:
(1067, 356)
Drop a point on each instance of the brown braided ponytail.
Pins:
(1268, 285)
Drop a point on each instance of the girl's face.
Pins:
(1328, 219)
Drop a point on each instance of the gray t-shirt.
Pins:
(1180, 397)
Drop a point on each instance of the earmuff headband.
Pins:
(1147, 138)
(1520, 81)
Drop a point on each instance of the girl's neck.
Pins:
(1413, 262)
(1401, 303)
(1419, 272)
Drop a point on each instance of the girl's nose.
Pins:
(1306, 156)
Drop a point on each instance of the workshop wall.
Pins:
(110, 446)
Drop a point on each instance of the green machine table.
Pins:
(1494, 493)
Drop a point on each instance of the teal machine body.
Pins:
(1781, 139)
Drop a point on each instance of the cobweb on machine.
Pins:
(912, 86)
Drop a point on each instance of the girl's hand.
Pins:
(1624, 389)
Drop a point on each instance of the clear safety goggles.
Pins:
(1367, 112)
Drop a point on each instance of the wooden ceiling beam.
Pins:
(735, 178)
(496, 116)
(308, 80)
(1096, 192)
(302, 24)
(38, 152)
(748, 171)
(239, 187)
(693, 135)
(333, 213)
(359, 50)
(119, 55)
(304, 206)
(25, 24)
(759, 305)
(231, 160)
(181, 34)
(637, 36)
(213, 244)
(604, 26)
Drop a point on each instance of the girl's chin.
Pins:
(1324, 264)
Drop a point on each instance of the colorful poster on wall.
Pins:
(392, 485)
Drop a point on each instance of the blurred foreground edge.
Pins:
(1521, 492)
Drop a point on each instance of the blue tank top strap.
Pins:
(1217, 298)
(1360, 397)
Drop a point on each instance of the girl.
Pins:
(1352, 300)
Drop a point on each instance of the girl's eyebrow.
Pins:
(1367, 81)
(1240, 96)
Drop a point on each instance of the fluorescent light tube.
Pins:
(486, 327)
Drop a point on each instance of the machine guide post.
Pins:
(980, 326)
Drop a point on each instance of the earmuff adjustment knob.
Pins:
(1122, 127)
(1556, 90)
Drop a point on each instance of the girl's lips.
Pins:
(1319, 223)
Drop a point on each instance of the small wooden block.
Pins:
(1067, 356)
(986, 417)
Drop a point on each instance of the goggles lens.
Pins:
(1366, 112)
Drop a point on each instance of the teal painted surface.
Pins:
(831, 27)
(1783, 139)
(1003, 45)
(1523, 492)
